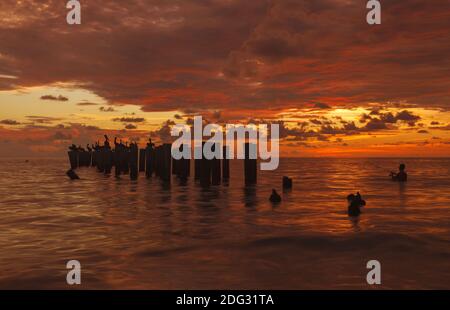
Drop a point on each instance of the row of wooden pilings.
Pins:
(158, 161)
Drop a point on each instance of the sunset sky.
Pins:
(336, 85)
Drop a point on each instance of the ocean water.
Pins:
(142, 235)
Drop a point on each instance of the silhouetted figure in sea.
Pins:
(355, 203)
(72, 175)
(401, 175)
(287, 182)
(275, 197)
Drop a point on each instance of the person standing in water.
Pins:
(401, 176)
(355, 203)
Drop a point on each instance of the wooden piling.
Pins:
(181, 167)
(73, 159)
(86, 159)
(142, 160)
(225, 164)
(187, 167)
(117, 166)
(80, 159)
(215, 169)
(166, 162)
(175, 166)
(197, 168)
(205, 171)
(108, 160)
(250, 165)
(154, 162)
(158, 162)
(126, 161)
(197, 164)
(215, 172)
(94, 158)
(89, 159)
(133, 161)
(101, 160)
(149, 159)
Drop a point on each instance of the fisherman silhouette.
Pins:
(401, 176)
(275, 197)
(355, 204)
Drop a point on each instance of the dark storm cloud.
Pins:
(231, 55)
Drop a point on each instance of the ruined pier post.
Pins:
(108, 160)
(215, 169)
(149, 158)
(197, 163)
(133, 161)
(117, 164)
(205, 171)
(250, 164)
(142, 160)
(226, 164)
(73, 159)
(166, 162)
(181, 167)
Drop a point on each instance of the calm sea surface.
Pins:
(139, 234)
